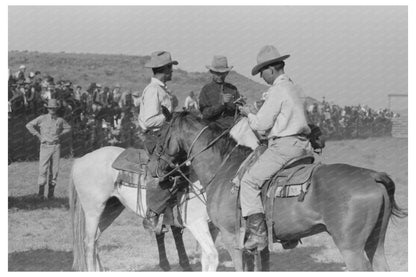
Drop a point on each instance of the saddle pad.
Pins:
(295, 175)
(131, 160)
(130, 179)
(290, 182)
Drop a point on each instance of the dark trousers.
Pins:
(157, 197)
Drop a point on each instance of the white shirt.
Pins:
(282, 113)
(154, 96)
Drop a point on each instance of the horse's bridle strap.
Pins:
(195, 140)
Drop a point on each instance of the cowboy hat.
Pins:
(268, 55)
(159, 59)
(219, 64)
(52, 104)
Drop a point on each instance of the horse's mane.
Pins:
(186, 120)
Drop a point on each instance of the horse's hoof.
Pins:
(165, 266)
(186, 267)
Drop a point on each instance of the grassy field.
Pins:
(40, 240)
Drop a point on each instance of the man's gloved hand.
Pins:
(246, 109)
(166, 113)
(227, 98)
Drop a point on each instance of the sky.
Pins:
(351, 55)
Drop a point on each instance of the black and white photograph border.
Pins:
(355, 59)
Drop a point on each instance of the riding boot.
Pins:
(256, 225)
(51, 190)
(41, 194)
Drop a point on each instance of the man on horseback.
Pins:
(155, 107)
(216, 100)
(282, 117)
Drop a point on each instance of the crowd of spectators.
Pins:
(350, 122)
(99, 115)
(102, 116)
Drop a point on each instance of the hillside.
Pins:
(127, 70)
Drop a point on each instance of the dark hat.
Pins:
(268, 55)
(219, 64)
(159, 59)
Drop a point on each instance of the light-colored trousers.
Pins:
(278, 153)
(49, 162)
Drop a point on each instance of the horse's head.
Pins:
(169, 150)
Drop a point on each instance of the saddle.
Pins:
(132, 172)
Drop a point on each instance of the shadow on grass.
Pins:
(32, 202)
(40, 260)
(298, 259)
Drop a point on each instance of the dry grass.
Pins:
(40, 240)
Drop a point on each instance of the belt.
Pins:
(295, 135)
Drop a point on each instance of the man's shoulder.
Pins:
(230, 86)
(208, 86)
(151, 87)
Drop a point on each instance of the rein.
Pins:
(189, 159)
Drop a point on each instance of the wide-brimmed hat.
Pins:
(159, 59)
(52, 104)
(268, 55)
(22, 66)
(219, 64)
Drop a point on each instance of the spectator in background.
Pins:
(191, 103)
(117, 94)
(20, 74)
(216, 98)
(78, 93)
(51, 129)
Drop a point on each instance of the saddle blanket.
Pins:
(131, 160)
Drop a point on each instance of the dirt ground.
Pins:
(40, 235)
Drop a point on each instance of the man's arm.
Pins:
(266, 116)
(153, 117)
(31, 127)
(231, 106)
(208, 111)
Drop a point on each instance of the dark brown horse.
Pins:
(352, 204)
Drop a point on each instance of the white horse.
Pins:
(92, 192)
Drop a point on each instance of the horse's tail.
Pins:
(390, 187)
(78, 226)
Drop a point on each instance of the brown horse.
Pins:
(352, 204)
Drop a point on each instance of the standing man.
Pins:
(51, 129)
(282, 117)
(156, 104)
(216, 98)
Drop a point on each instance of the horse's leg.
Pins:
(262, 260)
(163, 259)
(236, 254)
(351, 234)
(209, 254)
(91, 229)
(265, 259)
(112, 210)
(180, 247)
(374, 246)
